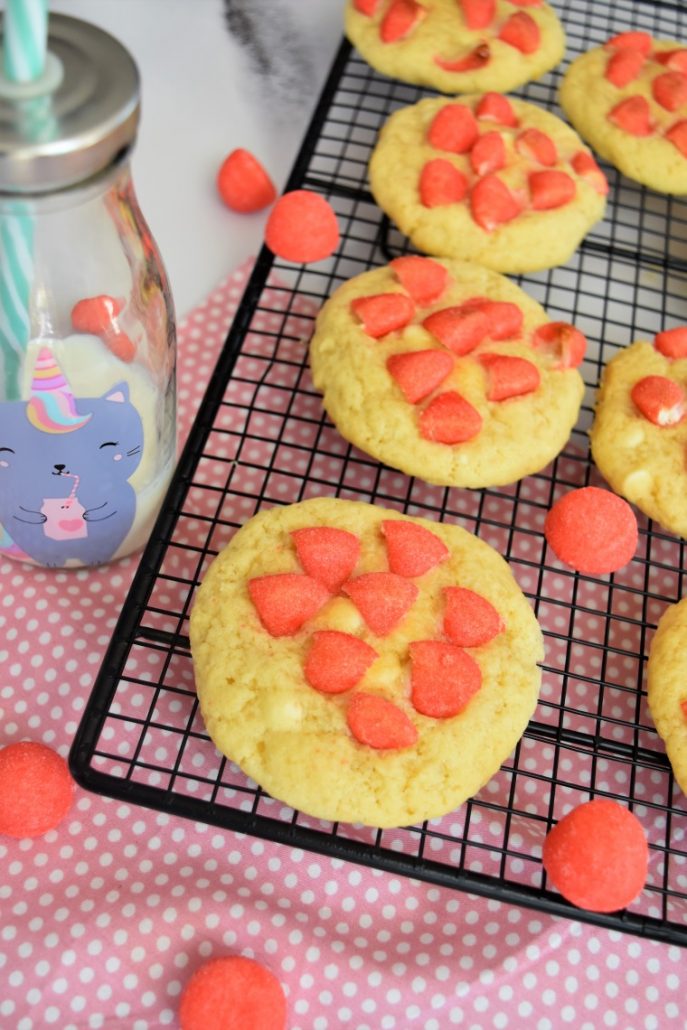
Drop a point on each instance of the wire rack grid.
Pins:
(261, 439)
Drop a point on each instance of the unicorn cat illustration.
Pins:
(65, 463)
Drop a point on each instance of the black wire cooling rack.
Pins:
(261, 438)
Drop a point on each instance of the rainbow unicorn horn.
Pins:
(51, 407)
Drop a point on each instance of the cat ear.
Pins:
(119, 393)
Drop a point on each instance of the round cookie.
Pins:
(489, 178)
(639, 434)
(667, 686)
(362, 665)
(462, 382)
(628, 99)
(457, 46)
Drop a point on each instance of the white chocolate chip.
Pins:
(637, 484)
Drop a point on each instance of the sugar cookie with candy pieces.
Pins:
(628, 100)
(362, 665)
(489, 178)
(447, 371)
(457, 46)
(667, 686)
(639, 433)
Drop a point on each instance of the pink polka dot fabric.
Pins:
(104, 919)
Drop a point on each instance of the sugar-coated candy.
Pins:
(243, 184)
(232, 993)
(302, 227)
(592, 530)
(36, 789)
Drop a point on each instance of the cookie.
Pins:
(447, 371)
(628, 99)
(639, 433)
(488, 178)
(457, 46)
(667, 686)
(362, 665)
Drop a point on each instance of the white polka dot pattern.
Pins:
(106, 916)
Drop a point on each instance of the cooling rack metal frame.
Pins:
(261, 438)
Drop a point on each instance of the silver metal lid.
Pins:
(85, 114)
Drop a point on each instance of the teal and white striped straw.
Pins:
(25, 35)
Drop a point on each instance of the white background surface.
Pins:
(202, 96)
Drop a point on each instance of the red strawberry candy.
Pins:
(672, 343)
(522, 32)
(535, 145)
(443, 678)
(505, 318)
(379, 723)
(286, 600)
(674, 59)
(450, 419)
(640, 41)
(492, 203)
(478, 13)
(677, 134)
(326, 553)
(587, 168)
(453, 128)
(243, 184)
(660, 400)
(368, 7)
(412, 550)
(424, 279)
(597, 856)
(337, 661)
(551, 189)
(565, 343)
(488, 154)
(526, 3)
(469, 619)
(458, 329)
(494, 107)
(633, 115)
(441, 183)
(623, 66)
(477, 58)
(418, 373)
(382, 598)
(383, 313)
(399, 21)
(96, 315)
(670, 90)
(592, 530)
(509, 376)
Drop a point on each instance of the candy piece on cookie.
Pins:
(379, 723)
(382, 598)
(592, 530)
(441, 183)
(469, 619)
(537, 146)
(628, 100)
(660, 400)
(597, 856)
(419, 373)
(285, 601)
(449, 418)
(460, 329)
(562, 342)
(672, 343)
(302, 227)
(667, 686)
(411, 549)
(327, 554)
(343, 720)
(488, 154)
(456, 46)
(232, 993)
(337, 661)
(492, 203)
(384, 313)
(243, 184)
(443, 678)
(36, 789)
(424, 279)
(453, 128)
(509, 376)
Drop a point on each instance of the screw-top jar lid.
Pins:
(76, 119)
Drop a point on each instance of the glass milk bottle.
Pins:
(87, 334)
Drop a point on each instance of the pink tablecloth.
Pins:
(104, 919)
